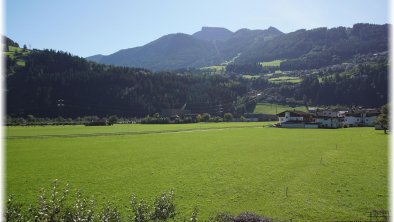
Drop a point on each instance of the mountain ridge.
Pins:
(213, 34)
(179, 50)
(215, 46)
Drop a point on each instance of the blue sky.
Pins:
(88, 27)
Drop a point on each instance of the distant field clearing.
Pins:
(271, 108)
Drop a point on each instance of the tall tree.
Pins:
(383, 119)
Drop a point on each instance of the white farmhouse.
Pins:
(352, 119)
(329, 121)
(336, 112)
(327, 113)
(362, 117)
(294, 115)
(296, 119)
(370, 117)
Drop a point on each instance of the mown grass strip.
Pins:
(125, 133)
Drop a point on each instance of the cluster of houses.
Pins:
(328, 118)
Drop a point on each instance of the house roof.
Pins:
(327, 116)
(295, 113)
(367, 112)
(354, 114)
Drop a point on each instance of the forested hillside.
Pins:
(207, 47)
(365, 84)
(55, 83)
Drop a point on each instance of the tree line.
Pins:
(249, 69)
(54, 83)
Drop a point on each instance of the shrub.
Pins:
(109, 213)
(216, 119)
(50, 208)
(205, 117)
(198, 118)
(164, 207)
(13, 211)
(228, 117)
(141, 210)
(56, 207)
(30, 118)
(81, 210)
(193, 218)
(112, 120)
(222, 217)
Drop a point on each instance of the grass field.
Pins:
(287, 79)
(271, 63)
(270, 108)
(251, 76)
(329, 174)
(16, 53)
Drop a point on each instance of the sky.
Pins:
(89, 27)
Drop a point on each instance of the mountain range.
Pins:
(210, 46)
(215, 46)
(349, 67)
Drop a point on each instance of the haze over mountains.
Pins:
(215, 46)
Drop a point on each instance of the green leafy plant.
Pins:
(140, 210)
(164, 207)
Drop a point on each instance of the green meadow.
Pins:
(16, 53)
(299, 174)
(251, 76)
(271, 108)
(285, 79)
(271, 63)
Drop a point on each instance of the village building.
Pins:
(370, 117)
(296, 119)
(353, 119)
(295, 115)
(361, 117)
(330, 118)
(327, 113)
(331, 112)
(332, 122)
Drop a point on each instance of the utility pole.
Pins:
(60, 105)
(220, 110)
